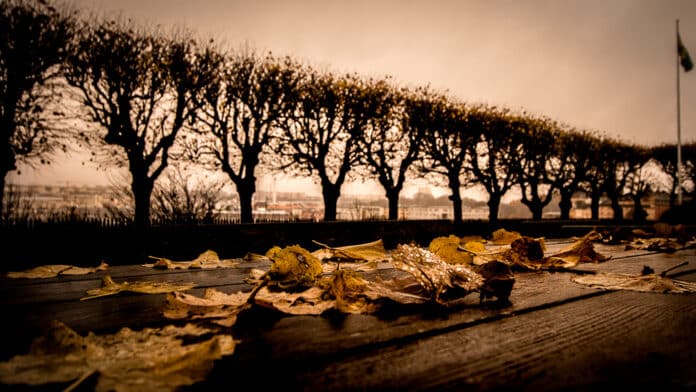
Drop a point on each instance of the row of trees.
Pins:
(142, 99)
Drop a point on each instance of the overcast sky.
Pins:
(606, 65)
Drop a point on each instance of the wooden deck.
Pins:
(555, 334)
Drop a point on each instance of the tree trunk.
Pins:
(639, 213)
(142, 191)
(566, 204)
(616, 207)
(331, 194)
(594, 205)
(245, 190)
(3, 174)
(493, 207)
(456, 198)
(537, 210)
(393, 198)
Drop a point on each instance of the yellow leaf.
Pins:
(293, 266)
(109, 287)
(504, 237)
(448, 249)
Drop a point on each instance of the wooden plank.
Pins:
(628, 339)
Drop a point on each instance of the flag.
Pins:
(684, 55)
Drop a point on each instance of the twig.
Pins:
(663, 273)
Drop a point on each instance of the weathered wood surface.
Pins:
(554, 334)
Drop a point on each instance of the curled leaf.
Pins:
(498, 280)
(504, 237)
(206, 260)
(581, 251)
(293, 266)
(526, 252)
(436, 276)
(51, 271)
(109, 287)
(147, 360)
(448, 249)
(221, 308)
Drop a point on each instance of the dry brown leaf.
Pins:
(293, 266)
(367, 252)
(217, 306)
(526, 252)
(51, 271)
(646, 283)
(307, 302)
(504, 237)
(581, 251)
(109, 287)
(330, 267)
(206, 260)
(147, 360)
(438, 278)
(498, 280)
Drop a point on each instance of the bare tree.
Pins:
(322, 137)
(185, 199)
(241, 108)
(623, 161)
(538, 136)
(665, 156)
(493, 156)
(34, 38)
(450, 129)
(139, 88)
(570, 166)
(391, 142)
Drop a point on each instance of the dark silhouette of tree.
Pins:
(391, 143)
(596, 175)
(665, 156)
(139, 88)
(639, 180)
(34, 38)
(449, 131)
(570, 165)
(241, 110)
(538, 136)
(622, 162)
(323, 136)
(493, 157)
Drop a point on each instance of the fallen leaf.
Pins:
(206, 260)
(51, 271)
(367, 252)
(222, 308)
(293, 266)
(147, 360)
(109, 287)
(526, 252)
(438, 278)
(581, 251)
(647, 283)
(450, 250)
(307, 302)
(504, 237)
(330, 267)
(498, 280)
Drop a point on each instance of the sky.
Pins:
(603, 65)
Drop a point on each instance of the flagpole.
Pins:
(679, 152)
